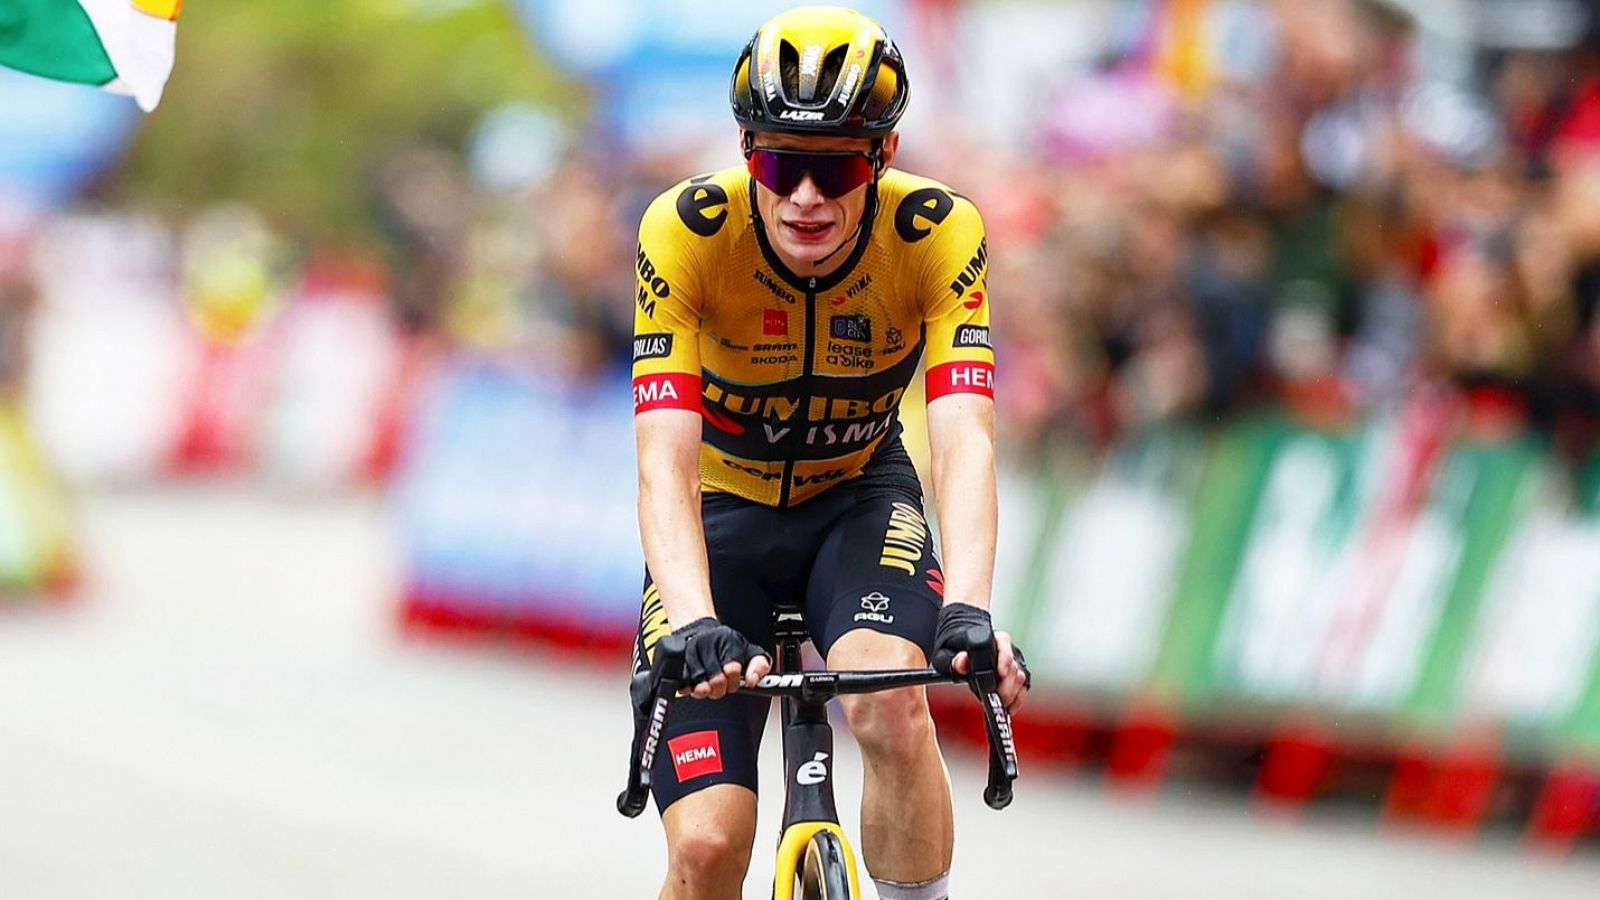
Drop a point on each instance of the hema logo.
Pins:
(695, 754)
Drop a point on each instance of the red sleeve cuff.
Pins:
(961, 378)
(666, 390)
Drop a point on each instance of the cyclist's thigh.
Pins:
(709, 742)
(877, 569)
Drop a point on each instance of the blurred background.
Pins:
(318, 564)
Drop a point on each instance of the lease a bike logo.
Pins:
(695, 754)
(813, 771)
(875, 608)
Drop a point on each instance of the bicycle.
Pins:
(812, 848)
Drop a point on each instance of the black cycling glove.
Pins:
(712, 645)
(951, 638)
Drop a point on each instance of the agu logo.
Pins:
(875, 608)
(695, 754)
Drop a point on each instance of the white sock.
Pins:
(932, 889)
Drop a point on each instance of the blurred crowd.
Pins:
(1240, 205)
(1304, 219)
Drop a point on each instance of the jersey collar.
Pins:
(868, 216)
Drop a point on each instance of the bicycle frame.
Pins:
(808, 804)
(808, 755)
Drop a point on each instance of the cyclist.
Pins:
(782, 308)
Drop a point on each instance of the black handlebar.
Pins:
(819, 687)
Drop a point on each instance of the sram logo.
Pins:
(1002, 721)
(813, 771)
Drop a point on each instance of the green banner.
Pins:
(1387, 576)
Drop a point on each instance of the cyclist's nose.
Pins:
(806, 193)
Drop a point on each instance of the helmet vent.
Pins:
(809, 80)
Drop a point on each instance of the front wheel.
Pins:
(826, 872)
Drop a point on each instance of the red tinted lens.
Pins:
(835, 174)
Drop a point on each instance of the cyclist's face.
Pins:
(805, 226)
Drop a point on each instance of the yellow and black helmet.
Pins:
(820, 70)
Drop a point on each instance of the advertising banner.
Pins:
(517, 500)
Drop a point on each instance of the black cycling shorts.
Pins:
(858, 556)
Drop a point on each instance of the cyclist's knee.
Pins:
(893, 724)
(708, 856)
(709, 839)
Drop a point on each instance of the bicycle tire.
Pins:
(825, 875)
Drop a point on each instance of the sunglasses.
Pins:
(834, 173)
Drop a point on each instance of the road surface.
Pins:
(227, 712)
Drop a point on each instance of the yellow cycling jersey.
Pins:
(799, 379)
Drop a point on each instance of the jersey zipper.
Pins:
(807, 375)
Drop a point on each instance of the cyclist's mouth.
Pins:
(808, 231)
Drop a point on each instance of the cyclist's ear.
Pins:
(891, 145)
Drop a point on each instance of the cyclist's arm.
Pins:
(666, 402)
(960, 388)
(668, 443)
(961, 438)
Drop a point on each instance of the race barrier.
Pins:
(1390, 598)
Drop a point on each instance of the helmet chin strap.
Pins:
(849, 239)
(868, 210)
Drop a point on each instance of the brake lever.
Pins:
(982, 662)
(647, 728)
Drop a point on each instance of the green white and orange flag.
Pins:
(121, 45)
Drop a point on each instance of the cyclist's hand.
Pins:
(950, 644)
(950, 651)
(1015, 679)
(718, 658)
